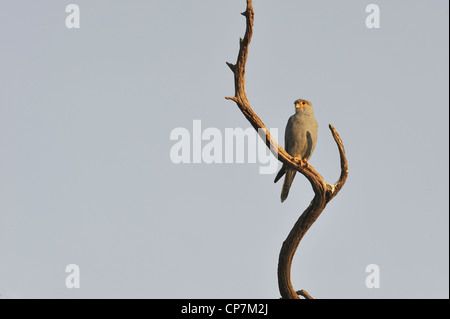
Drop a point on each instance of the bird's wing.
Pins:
(289, 135)
(280, 173)
(309, 147)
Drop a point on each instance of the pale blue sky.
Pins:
(86, 176)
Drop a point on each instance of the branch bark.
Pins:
(323, 192)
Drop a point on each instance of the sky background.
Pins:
(86, 177)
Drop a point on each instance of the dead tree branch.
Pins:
(323, 192)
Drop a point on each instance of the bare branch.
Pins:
(344, 165)
(323, 192)
(304, 294)
(231, 66)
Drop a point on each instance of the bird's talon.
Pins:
(299, 160)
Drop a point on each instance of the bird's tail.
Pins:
(288, 179)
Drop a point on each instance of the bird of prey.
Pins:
(300, 139)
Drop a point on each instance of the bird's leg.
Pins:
(303, 162)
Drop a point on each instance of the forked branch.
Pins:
(323, 192)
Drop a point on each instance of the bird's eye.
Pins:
(303, 103)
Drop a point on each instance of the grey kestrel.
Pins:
(300, 139)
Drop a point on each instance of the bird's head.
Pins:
(301, 104)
